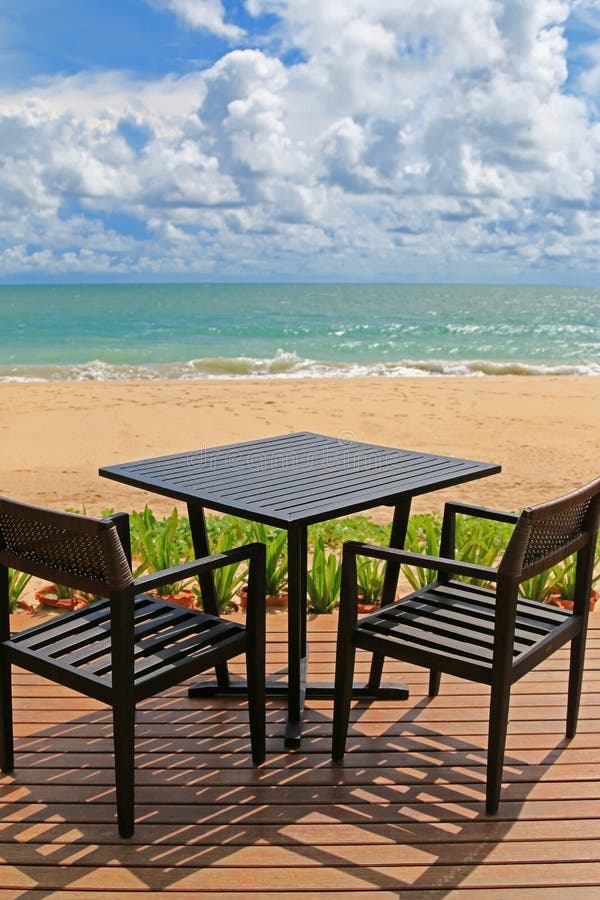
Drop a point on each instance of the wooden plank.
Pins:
(403, 816)
(465, 769)
(576, 892)
(355, 854)
(317, 834)
(315, 879)
(430, 802)
(456, 786)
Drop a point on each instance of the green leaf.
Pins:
(324, 579)
(17, 582)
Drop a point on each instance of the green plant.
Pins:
(141, 526)
(159, 546)
(480, 541)
(144, 523)
(227, 579)
(17, 582)
(334, 532)
(275, 541)
(64, 592)
(90, 598)
(230, 524)
(370, 576)
(324, 579)
(564, 578)
(538, 587)
(560, 579)
(422, 536)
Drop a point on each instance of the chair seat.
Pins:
(168, 638)
(454, 622)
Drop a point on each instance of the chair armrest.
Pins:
(481, 512)
(439, 563)
(451, 509)
(252, 552)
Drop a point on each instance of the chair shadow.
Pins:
(409, 795)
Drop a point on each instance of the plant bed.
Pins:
(184, 597)
(273, 601)
(364, 608)
(58, 597)
(555, 599)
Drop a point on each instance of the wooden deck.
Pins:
(403, 817)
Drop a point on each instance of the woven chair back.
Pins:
(552, 531)
(77, 551)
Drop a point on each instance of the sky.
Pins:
(344, 140)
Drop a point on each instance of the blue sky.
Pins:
(63, 37)
(286, 139)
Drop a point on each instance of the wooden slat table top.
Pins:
(297, 478)
(404, 816)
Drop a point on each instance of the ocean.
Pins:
(195, 331)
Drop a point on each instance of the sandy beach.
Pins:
(543, 431)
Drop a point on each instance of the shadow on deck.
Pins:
(405, 814)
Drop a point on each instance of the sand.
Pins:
(543, 431)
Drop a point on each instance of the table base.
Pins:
(318, 690)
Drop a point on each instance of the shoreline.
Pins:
(284, 366)
(55, 435)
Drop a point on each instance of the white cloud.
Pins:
(440, 130)
(205, 14)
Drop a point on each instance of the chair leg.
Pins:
(498, 725)
(575, 681)
(255, 679)
(345, 653)
(124, 748)
(376, 671)
(434, 682)
(255, 653)
(7, 754)
(344, 674)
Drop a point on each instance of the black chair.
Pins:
(491, 636)
(125, 647)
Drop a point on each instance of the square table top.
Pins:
(296, 479)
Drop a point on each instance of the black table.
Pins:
(292, 481)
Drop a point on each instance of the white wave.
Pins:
(285, 365)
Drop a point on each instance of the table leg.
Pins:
(207, 585)
(392, 570)
(297, 561)
(295, 689)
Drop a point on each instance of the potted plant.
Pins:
(563, 589)
(227, 579)
(60, 596)
(274, 540)
(422, 536)
(159, 546)
(17, 582)
(324, 580)
(370, 574)
(540, 587)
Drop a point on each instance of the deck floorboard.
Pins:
(403, 817)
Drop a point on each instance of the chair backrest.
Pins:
(550, 532)
(66, 548)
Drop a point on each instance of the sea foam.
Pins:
(283, 365)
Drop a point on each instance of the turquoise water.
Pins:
(62, 332)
